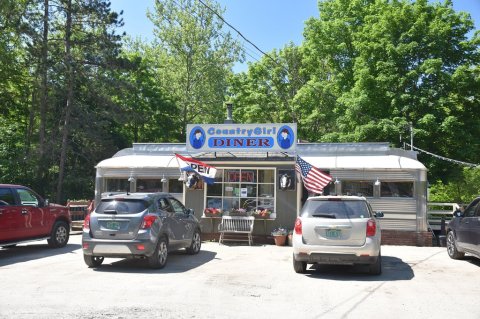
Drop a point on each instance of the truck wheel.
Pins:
(159, 257)
(196, 244)
(59, 236)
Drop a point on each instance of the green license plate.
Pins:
(113, 225)
(333, 233)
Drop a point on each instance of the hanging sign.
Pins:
(242, 137)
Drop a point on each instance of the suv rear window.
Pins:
(115, 206)
(336, 209)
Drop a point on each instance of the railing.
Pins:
(78, 211)
(438, 211)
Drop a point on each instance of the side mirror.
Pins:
(189, 211)
(378, 214)
(457, 213)
(46, 202)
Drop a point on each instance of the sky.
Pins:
(269, 24)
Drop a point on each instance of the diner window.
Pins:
(175, 186)
(149, 185)
(116, 185)
(329, 189)
(396, 189)
(244, 190)
(357, 188)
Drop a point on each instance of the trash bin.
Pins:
(442, 240)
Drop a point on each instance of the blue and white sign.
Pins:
(242, 137)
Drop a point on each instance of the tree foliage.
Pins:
(463, 189)
(369, 69)
(72, 93)
(197, 58)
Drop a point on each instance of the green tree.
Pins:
(150, 112)
(198, 57)
(400, 62)
(279, 89)
(460, 190)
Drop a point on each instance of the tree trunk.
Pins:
(69, 101)
(43, 96)
(43, 86)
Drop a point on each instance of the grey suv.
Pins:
(463, 232)
(139, 225)
(337, 230)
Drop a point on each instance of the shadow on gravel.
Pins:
(393, 269)
(32, 251)
(178, 262)
(473, 260)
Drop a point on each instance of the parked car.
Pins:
(26, 216)
(139, 225)
(340, 230)
(463, 232)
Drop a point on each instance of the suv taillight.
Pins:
(298, 226)
(148, 221)
(86, 222)
(371, 228)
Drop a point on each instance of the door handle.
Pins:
(24, 212)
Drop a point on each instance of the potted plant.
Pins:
(280, 236)
(212, 212)
(262, 213)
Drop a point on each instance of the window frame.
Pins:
(224, 180)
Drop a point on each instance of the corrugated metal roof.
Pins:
(322, 155)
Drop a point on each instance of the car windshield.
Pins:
(118, 206)
(335, 209)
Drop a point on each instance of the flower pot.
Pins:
(280, 240)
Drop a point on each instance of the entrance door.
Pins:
(11, 219)
(34, 218)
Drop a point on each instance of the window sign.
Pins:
(242, 137)
(243, 192)
(251, 191)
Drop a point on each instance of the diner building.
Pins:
(255, 175)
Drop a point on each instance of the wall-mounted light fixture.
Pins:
(131, 179)
(182, 177)
(337, 181)
(163, 180)
(377, 182)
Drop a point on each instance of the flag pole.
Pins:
(299, 188)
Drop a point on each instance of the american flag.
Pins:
(313, 178)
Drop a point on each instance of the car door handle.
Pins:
(24, 212)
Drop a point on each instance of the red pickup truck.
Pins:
(26, 216)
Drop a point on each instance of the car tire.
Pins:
(376, 267)
(59, 236)
(195, 245)
(93, 261)
(299, 266)
(159, 257)
(452, 247)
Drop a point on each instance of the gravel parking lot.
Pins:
(234, 281)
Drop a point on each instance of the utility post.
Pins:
(411, 136)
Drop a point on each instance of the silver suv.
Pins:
(139, 225)
(337, 230)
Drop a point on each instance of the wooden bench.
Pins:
(232, 226)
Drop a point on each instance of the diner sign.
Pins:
(242, 137)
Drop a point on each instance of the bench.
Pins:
(232, 226)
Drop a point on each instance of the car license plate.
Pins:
(333, 233)
(113, 225)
